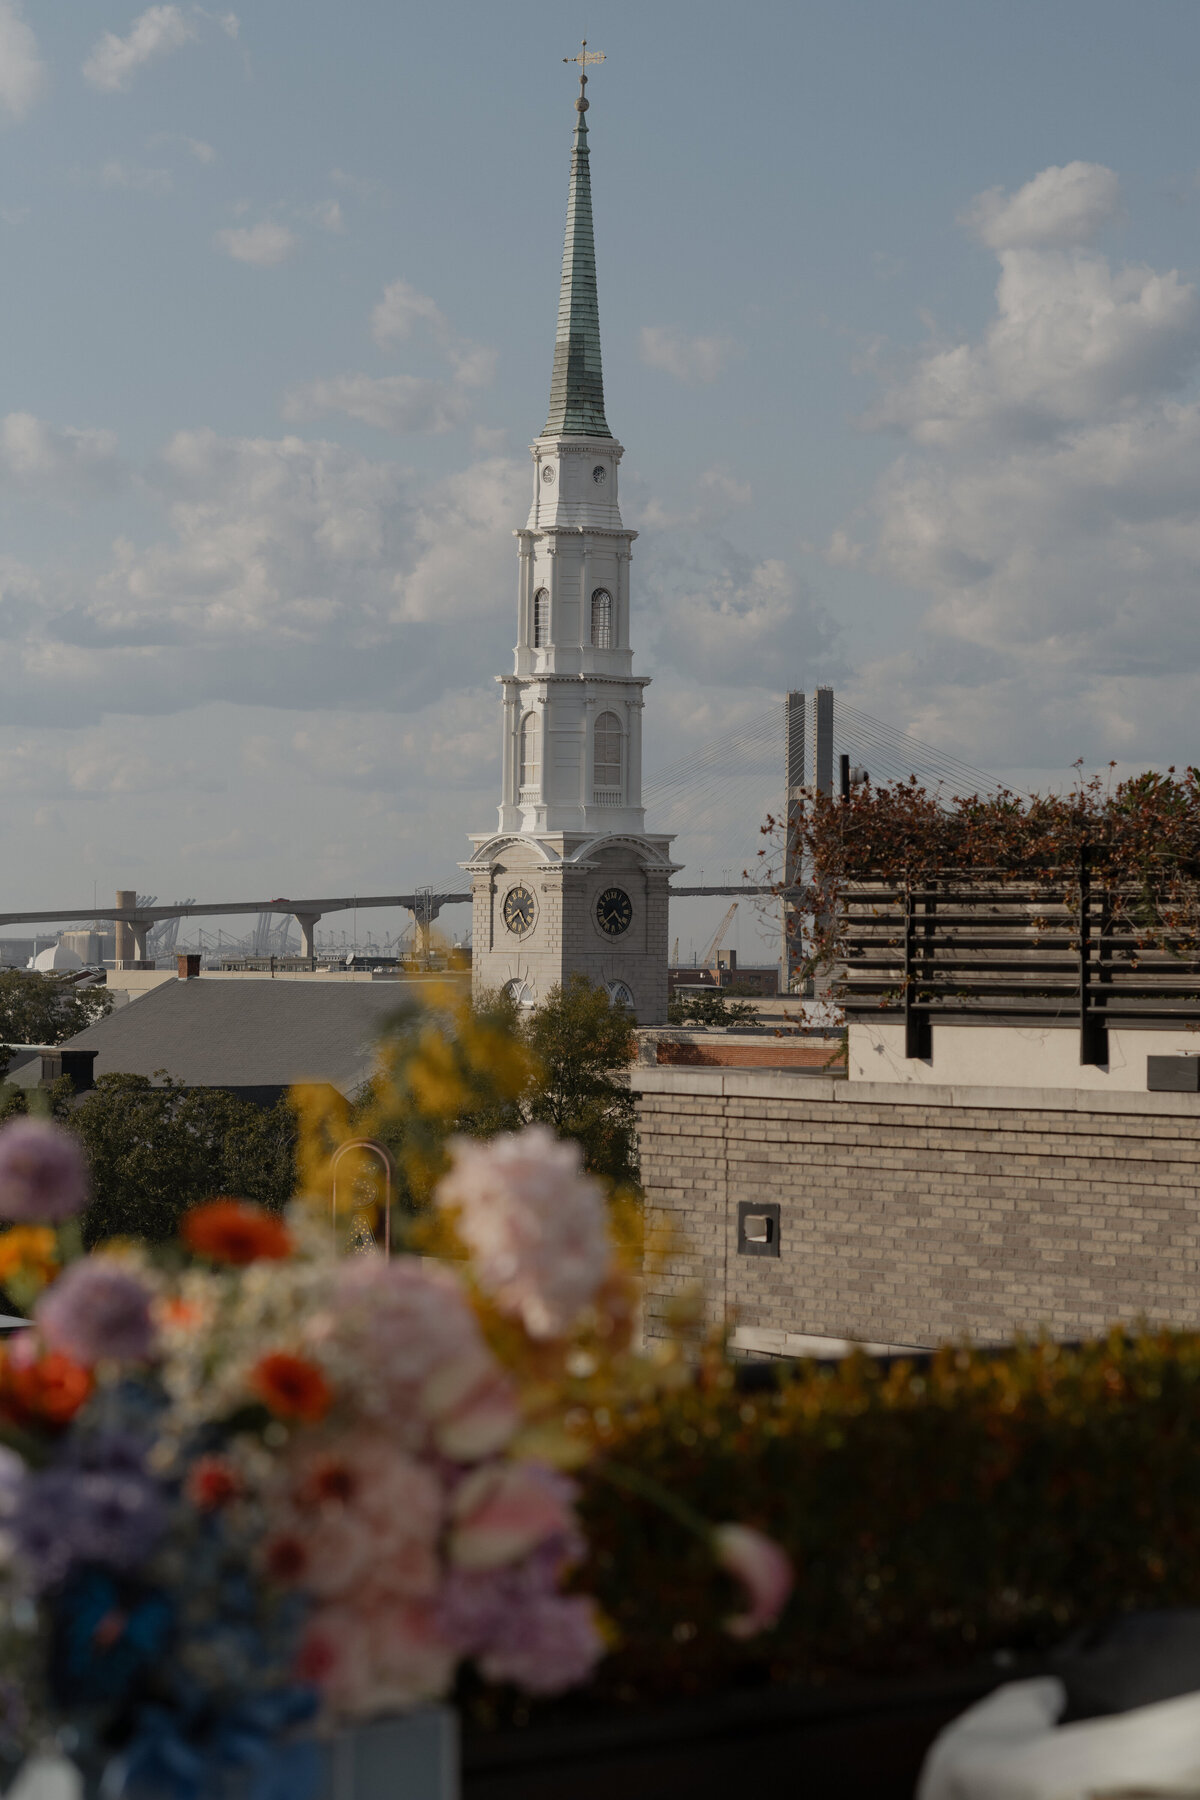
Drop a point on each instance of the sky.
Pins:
(901, 320)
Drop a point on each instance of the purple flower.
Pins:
(67, 1516)
(43, 1173)
(518, 1624)
(96, 1309)
(548, 1646)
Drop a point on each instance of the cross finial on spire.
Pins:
(584, 58)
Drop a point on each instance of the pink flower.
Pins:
(369, 1660)
(369, 1516)
(389, 1328)
(472, 1407)
(504, 1510)
(766, 1571)
(96, 1309)
(534, 1222)
(411, 1661)
(551, 1645)
(339, 1551)
(333, 1655)
(43, 1173)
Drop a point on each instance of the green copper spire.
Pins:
(577, 384)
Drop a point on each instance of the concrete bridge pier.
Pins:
(308, 923)
(130, 945)
(424, 909)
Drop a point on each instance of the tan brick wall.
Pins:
(965, 1212)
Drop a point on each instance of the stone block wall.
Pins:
(908, 1218)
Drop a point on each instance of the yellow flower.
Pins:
(30, 1251)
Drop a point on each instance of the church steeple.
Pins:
(570, 882)
(577, 384)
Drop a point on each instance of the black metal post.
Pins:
(824, 743)
(918, 1027)
(793, 813)
(1093, 1026)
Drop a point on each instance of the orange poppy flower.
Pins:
(53, 1388)
(232, 1231)
(180, 1313)
(291, 1387)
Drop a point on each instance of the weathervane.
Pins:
(584, 59)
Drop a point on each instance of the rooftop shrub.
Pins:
(935, 1510)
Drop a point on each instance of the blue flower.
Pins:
(184, 1753)
(106, 1637)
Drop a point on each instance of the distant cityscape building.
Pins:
(571, 881)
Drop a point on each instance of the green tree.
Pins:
(578, 1045)
(155, 1151)
(584, 1045)
(709, 1009)
(45, 1009)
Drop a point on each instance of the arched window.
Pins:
(520, 991)
(530, 762)
(602, 631)
(541, 619)
(620, 994)
(608, 751)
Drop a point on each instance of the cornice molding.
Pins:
(548, 531)
(593, 680)
(575, 446)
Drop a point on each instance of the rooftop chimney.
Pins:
(188, 966)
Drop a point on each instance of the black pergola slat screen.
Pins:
(1068, 948)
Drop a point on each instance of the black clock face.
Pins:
(614, 910)
(519, 910)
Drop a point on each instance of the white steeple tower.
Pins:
(572, 825)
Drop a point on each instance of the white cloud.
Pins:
(114, 61)
(264, 245)
(116, 173)
(1070, 338)
(720, 617)
(461, 548)
(688, 359)
(196, 147)
(1059, 206)
(715, 494)
(452, 745)
(402, 402)
(22, 71)
(1046, 503)
(402, 308)
(64, 464)
(287, 573)
(398, 403)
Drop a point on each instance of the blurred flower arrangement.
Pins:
(252, 1487)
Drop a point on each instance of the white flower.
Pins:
(534, 1223)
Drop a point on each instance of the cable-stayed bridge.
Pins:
(718, 796)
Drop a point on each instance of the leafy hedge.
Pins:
(1139, 840)
(935, 1510)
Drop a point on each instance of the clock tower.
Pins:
(571, 882)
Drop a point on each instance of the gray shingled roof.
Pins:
(577, 384)
(247, 1034)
